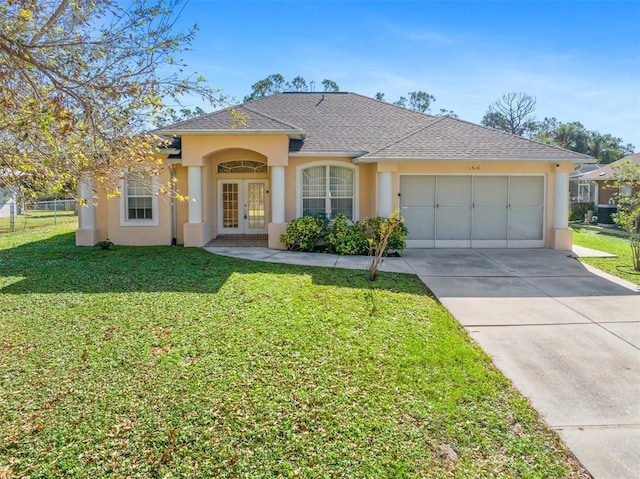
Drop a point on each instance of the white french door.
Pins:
(242, 206)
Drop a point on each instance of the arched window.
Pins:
(327, 188)
(242, 166)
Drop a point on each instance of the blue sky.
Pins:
(580, 59)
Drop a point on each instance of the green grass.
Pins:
(173, 362)
(36, 220)
(621, 266)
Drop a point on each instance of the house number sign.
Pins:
(474, 168)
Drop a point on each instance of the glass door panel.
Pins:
(242, 206)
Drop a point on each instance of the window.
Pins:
(242, 166)
(327, 188)
(138, 200)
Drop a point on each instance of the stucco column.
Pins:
(195, 194)
(88, 212)
(561, 201)
(86, 234)
(196, 232)
(277, 194)
(277, 226)
(385, 194)
(562, 236)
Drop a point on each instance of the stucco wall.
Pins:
(141, 235)
(197, 149)
(208, 151)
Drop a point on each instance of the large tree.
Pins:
(513, 113)
(80, 80)
(276, 83)
(575, 137)
(417, 100)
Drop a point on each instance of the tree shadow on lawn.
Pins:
(56, 265)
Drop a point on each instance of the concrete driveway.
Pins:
(567, 335)
(569, 340)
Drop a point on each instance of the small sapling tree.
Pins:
(627, 181)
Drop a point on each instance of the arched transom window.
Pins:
(242, 166)
(328, 189)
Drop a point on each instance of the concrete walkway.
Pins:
(567, 335)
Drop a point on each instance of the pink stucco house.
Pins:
(457, 184)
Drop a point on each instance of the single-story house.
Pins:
(457, 184)
(605, 177)
(580, 190)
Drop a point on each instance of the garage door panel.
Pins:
(453, 223)
(489, 223)
(417, 190)
(453, 191)
(526, 224)
(526, 191)
(490, 191)
(421, 222)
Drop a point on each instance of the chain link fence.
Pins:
(35, 214)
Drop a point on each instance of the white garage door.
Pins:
(464, 211)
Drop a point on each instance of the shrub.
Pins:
(105, 245)
(382, 234)
(579, 211)
(345, 238)
(374, 228)
(305, 233)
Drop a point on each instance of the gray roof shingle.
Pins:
(607, 172)
(372, 130)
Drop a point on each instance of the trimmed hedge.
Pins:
(341, 236)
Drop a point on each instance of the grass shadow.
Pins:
(56, 265)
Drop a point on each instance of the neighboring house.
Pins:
(580, 190)
(457, 184)
(8, 202)
(604, 179)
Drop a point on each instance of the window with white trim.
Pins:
(329, 189)
(139, 200)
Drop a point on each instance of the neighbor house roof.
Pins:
(349, 124)
(607, 172)
(584, 170)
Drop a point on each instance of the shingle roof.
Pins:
(607, 172)
(372, 130)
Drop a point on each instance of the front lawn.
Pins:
(622, 266)
(174, 362)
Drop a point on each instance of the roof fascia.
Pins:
(487, 159)
(327, 154)
(295, 134)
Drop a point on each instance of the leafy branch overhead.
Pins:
(80, 80)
